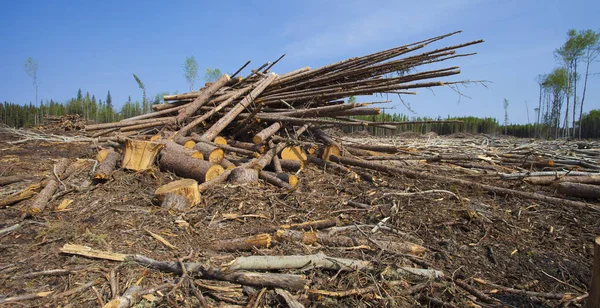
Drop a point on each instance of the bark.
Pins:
(264, 134)
(140, 155)
(107, 166)
(227, 164)
(202, 99)
(277, 164)
(243, 175)
(374, 147)
(274, 179)
(171, 146)
(247, 146)
(448, 180)
(547, 180)
(586, 191)
(594, 298)
(291, 165)
(155, 122)
(189, 167)
(220, 125)
(5, 180)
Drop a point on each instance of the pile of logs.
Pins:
(66, 123)
(241, 129)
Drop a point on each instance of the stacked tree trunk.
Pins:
(235, 127)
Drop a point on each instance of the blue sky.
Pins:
(97, 45)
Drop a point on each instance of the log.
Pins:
(547, 180)
(202, 98)
(180, 194)
(5, 180)
(271, 178)
(319, 260)
(107, 166)
(227, 164)
(220, 125)
(247, 146)
(184, 130)
(171, 146)
(285, 281)
(291, 165)
(140, 155)
(289, 179)
(264, 134)
(24, 194)
(40, 202)
(586, 191)
(243, 175)
(189, 167)
(212, 152)
(448, 180)
(245, 243)
(594, 298)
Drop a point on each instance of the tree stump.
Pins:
(180, 194)
(293, 153)
(243, 175)
(140, 155)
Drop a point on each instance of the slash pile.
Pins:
(263, 117)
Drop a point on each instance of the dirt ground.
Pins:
(513, 242)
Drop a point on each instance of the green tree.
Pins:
(212, 75)
(351, 99)
(190, 71)
(31, 68)
(570, 53)
(109, 107)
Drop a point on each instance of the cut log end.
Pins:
(331, 150)
(102, 155)
(257, 139)
(220, 140)
(214, 171)
(189, 144)
(198, 155)
(293, 153)
(216, 156)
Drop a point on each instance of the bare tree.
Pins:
(505, 104)
(31, 68)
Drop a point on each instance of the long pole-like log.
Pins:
(204, 96)
(220, 125)
(450, 180)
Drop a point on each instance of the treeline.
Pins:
(590, 127)
(87, 106)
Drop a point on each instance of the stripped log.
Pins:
(245, 243)
(266, 133)
(5, 180)
(548, 180)
(202, 98)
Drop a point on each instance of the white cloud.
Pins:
(374, 22)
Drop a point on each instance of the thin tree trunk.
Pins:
(587, 73)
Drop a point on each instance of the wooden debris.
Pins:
(107, 165)
(140, 155)
(180, 194)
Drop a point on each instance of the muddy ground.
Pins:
(505, 240)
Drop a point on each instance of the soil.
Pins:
(505, 240)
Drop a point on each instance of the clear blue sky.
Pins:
(96, 45)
